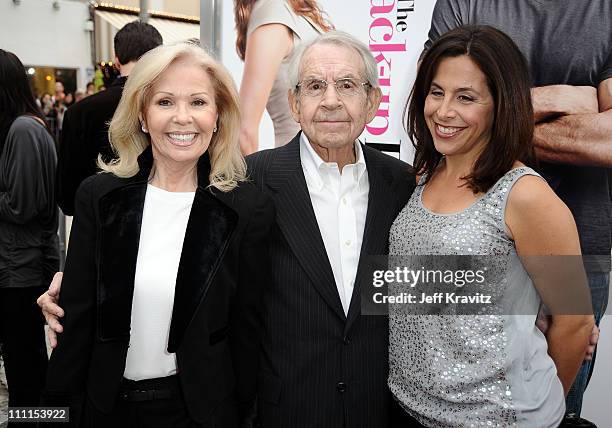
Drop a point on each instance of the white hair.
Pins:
(336, 38)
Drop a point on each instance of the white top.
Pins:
(340, 203)
(164, 221)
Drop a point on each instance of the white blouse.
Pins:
(164, 221)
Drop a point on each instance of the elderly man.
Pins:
(322, 363)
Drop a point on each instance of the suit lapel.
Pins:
(297, 221)
(120, 222)
(209, 230)
(380, 215)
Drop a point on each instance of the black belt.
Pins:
(146, 395)
(148, 389)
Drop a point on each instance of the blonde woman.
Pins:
(268, 31)
(167, 259)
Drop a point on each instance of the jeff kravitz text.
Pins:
(406, 277)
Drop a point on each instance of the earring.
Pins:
(215, 128)
(143, 129)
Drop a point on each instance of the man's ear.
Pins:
(117, 64)
(294, 104)
(374, 97)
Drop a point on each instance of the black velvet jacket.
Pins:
(216, 315)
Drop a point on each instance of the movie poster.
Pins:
(395, 31)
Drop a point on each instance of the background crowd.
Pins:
(54, 106)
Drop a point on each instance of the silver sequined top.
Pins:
(471, 370)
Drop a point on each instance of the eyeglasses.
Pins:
(345, 87)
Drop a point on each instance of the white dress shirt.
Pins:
(340, 203)
(164, 221)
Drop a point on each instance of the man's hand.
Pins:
(593, 339)
(550, 102)
(543, 323)
(569, 135)
(52, 312)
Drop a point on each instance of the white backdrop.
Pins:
(596, 400)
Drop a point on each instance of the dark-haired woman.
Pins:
(29, 253)
(472, 128)
(268, 31)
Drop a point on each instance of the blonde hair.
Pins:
(129, 141)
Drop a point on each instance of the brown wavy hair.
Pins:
(508, 79)
(242, 14)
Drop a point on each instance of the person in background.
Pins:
(173, 237)
(68, 100)
(470, 117)
(78, 96)
(570, 60)
(60, 110)
(90, 89)
(59, 94)
(45, 103)
(29, 252)
(85, 126)
(50, 113)
(267, 33)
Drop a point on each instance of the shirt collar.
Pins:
(314, 166)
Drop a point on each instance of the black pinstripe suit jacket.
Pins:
(319, 367)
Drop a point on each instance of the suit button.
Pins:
(346, 340)
(341, 387)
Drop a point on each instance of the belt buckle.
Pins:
(145, 395)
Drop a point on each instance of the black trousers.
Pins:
(22, 338)
(134, 409)
(167, 411)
